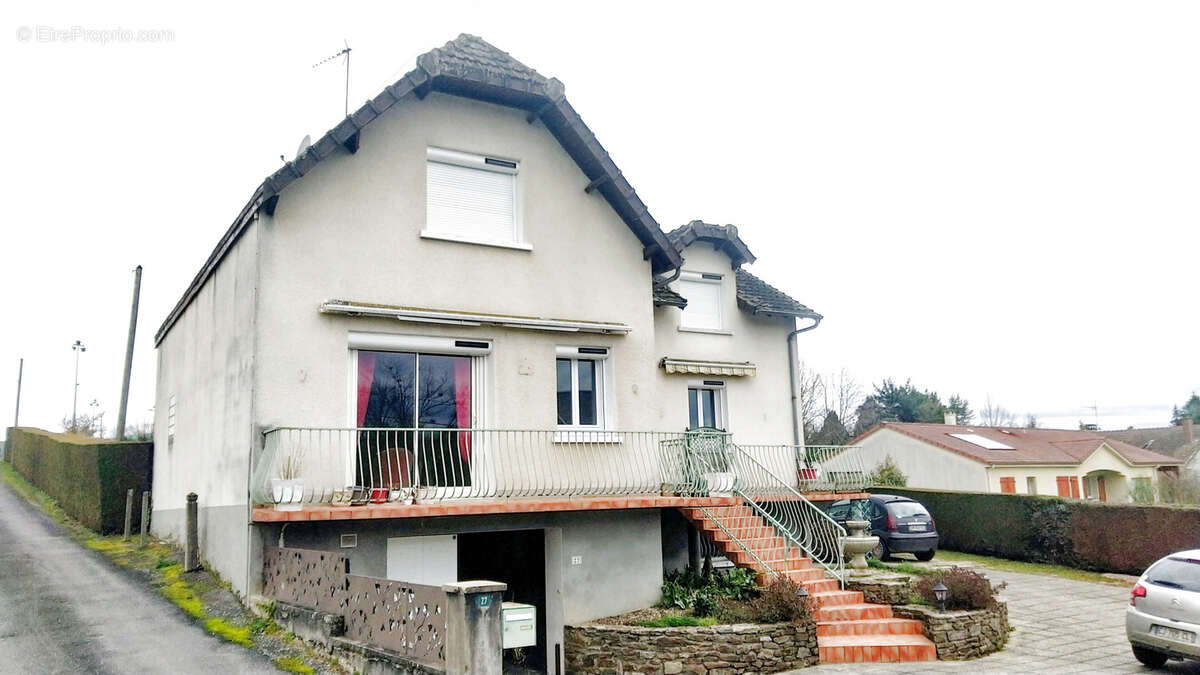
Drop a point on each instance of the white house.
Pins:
(1076, 464)
(450, 341)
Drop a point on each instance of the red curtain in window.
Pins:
(462, 404)
(366, 376)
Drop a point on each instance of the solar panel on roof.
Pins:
(982, 441)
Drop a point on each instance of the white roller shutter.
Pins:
(471, 202)
(703, 303)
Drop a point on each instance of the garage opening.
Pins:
(517, 558)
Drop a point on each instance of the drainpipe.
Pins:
(797, 423)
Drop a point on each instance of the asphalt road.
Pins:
(66, 609)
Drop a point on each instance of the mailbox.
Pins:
(520, 625)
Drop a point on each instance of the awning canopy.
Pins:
(692, 367)
(444, 316)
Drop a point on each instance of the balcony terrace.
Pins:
(303, 474)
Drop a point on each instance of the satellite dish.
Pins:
(304, 143)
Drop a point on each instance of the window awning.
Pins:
(424, 315)
(691, 367)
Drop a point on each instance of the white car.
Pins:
(1163, 618)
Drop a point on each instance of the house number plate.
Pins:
(1173, 634)
(483, 601)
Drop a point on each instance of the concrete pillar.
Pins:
(128, 514)
(191, 544)
(474, 631)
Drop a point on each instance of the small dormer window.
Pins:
(471, 198)
(703, 294)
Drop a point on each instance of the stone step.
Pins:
(819, 585)
(799, 576)
(775, 559)
(893, 626)
(853, 612)
(836, 598)
(875, 648)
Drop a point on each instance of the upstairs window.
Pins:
(703, 293)
(581, 377)
(471, 198)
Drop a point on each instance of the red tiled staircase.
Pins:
(848, 629)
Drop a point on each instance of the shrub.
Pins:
(705, 604)
(887, 474)
(968, 589)
(688, 590)
(776, 603)
(1087, 535)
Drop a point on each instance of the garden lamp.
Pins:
(941, 593)
(802, 592)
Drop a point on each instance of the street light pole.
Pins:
(78, 348)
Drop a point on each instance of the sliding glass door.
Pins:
(411, 408)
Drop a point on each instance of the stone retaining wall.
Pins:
(739, 649)
(882, 589)
(961, 634)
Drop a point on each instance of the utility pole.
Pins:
(17, 414)
(78, 348)
(137, 289)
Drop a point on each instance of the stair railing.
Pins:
(800, 522)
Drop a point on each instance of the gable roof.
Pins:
(724, 237)
(1029, 446)
(753, 294)
(665, 297)
(1171, 441)
(470, 67)
(758, 297)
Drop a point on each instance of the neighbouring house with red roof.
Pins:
(1075, 464)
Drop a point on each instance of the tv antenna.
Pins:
(345, 52)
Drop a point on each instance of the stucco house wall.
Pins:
(351, 230)
(1117, 488)
(207, 364)
(924, 465)
(758, 407)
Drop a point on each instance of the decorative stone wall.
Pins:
(961, 634)
(738, 649)
(882, 589)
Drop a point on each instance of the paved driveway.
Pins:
(64, 609)
(1059, 626)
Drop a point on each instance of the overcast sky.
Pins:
(994, 199)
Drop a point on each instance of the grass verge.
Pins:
(202, 595)
(1029, 568)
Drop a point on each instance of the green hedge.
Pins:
(88, 477)
(1086, 535)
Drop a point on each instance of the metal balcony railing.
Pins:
(299, 466)
(777, 501)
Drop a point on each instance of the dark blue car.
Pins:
(902, 525)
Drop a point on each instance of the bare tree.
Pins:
(1031, 421)
(811, 392)
(843, 394)
(995, 415)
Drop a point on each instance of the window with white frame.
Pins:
(471, 198)
(581, 375)
(706, 405)
(703, 294)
